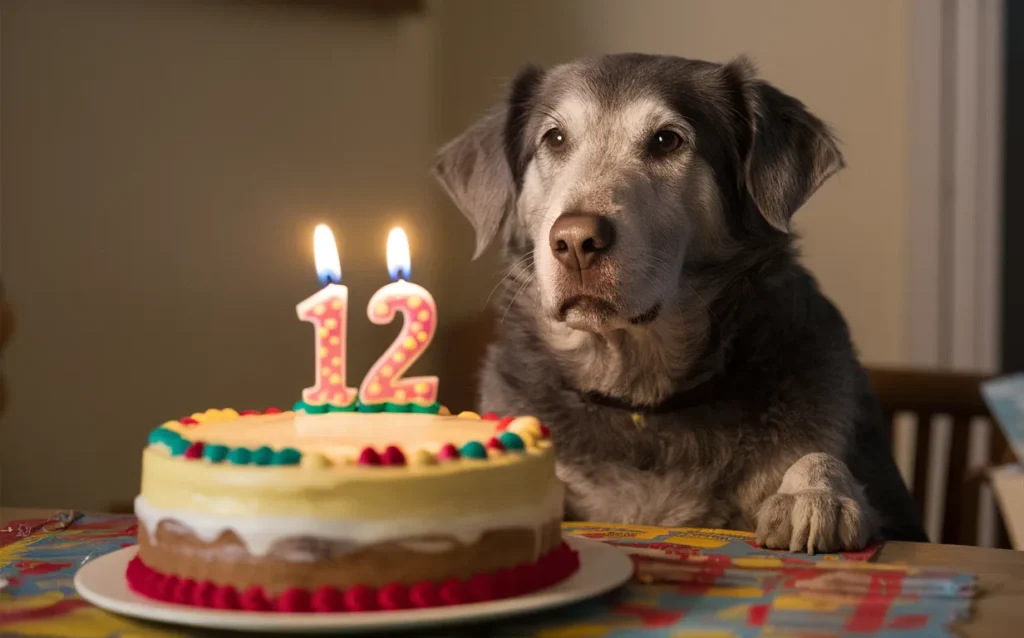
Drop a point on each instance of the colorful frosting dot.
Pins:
(393, 456)
(178, 446)
(195, 450)
(468, 415)
(351, 407)
(315, 461)
(263, 455)
(397, 407)
(215, 453)
(287, 456)
(448, 452)
(474, 450)
(423, 457)
(511, 441)
(369, 456)
(239, 456)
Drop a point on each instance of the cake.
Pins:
(347, 510)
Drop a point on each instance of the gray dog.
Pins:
(658, 318)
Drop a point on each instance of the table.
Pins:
(998, 611)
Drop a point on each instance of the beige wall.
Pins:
(164, 164)
(846, 60)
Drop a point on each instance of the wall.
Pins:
(846, 60)
(163, 167)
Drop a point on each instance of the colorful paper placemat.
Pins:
(689, 583)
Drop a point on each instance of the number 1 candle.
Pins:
(327, 310)
(384, 382)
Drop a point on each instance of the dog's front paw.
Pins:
(814, 519)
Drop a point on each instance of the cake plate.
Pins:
(102, 582)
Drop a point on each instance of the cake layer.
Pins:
(260, 533)
(173, 548)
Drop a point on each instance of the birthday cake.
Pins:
(347, 511)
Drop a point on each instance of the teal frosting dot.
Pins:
(473, 450)
(397, 407)
(163, 435)
(370, 407)
(262, 455)
(178, 446)
(511, 441)
(239, 456)
(287, 456)
(351, 407)
(215, 453)
(433, 408)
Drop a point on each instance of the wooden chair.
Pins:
(928, 394)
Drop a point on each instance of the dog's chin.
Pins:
(592, 314)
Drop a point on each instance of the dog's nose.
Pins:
(578, 239)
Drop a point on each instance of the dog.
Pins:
(656, 314)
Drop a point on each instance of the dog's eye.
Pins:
(554, 138)
(663, 143)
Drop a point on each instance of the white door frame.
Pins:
(955, 183)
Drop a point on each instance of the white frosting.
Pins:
(260, 533)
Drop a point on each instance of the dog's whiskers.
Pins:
(515, 271)
(514, 297)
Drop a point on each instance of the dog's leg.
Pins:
(818, 507)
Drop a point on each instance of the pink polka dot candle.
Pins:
(384, 383)
(327, 310)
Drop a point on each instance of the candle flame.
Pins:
(325, 254)
(399, 262)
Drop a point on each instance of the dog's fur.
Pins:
(694, 375)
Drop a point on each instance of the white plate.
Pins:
(102, 582)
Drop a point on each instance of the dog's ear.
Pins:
(482, 168)
(791, 152)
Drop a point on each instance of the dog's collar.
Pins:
(700, 394)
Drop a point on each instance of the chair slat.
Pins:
(960, 516)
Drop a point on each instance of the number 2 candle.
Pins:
(384, 382)
(327, 310)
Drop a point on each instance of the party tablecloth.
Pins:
(687, 583)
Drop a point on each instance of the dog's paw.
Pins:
(818, 520)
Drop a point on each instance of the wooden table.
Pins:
(998, 610)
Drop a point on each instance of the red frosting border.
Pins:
(553, 567)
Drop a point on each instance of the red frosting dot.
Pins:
(326, 599)
(248, 412)
(453, 592)
(360, 598)
(504, 423)
(393, 596)
(369, 456)
(202, 593)
(254, 599)
(293, 599)
(448, 453)
(187, 421)
(495, 444)
(272, 411)
(225, 597)
(490, 416)
(544, 430)
(424, 595)
(182, 594)
(194, 451)
(393, 456)
(482, 587)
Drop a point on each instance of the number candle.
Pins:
(327, 310)
(384, 382)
